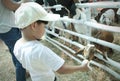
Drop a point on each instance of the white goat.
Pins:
(80, 15)
(81, 28)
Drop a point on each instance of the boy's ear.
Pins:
(33, 25)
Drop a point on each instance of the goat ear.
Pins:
(118, 11)
(97, 50)
(101, 19)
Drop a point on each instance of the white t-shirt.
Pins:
(38, 59)
(7, 19)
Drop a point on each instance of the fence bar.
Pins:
(109, 61)
(99, 56)
(115, 74)
(93, 24)
(67, 40)
(67, 53)
(103, 4)
(92, 39)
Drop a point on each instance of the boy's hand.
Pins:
(86, 65)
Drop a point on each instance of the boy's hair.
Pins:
(39, 22)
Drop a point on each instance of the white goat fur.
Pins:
(108, 17)
(118, 12)
(81, 28)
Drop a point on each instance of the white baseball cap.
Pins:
(30, 12)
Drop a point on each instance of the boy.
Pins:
(39, 60)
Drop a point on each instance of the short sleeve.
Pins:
(51, 59)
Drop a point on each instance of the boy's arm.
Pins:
(12, 5)
(66, 69)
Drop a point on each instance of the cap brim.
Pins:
(51, 17)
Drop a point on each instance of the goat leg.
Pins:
(79, 51)
(91, 57)
(104, 54)
(97, 50)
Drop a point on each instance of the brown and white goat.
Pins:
(90, 50)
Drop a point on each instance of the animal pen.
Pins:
(87, 36)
